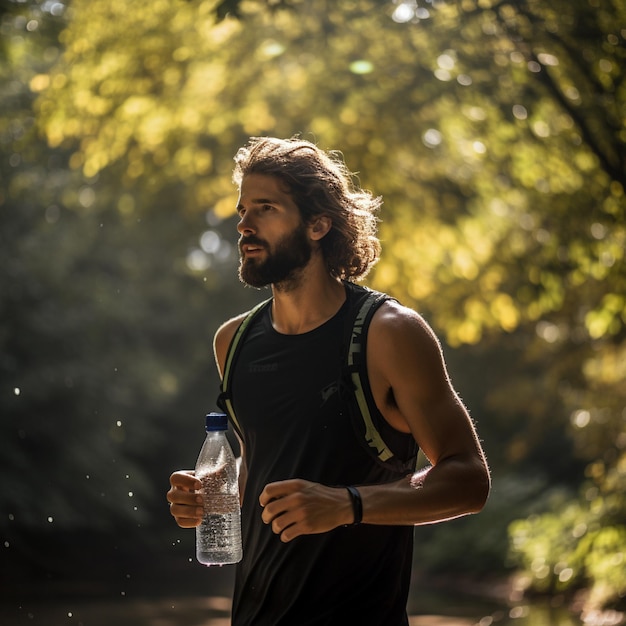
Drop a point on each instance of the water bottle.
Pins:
(218, 537)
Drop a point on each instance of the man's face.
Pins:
(274, 244)
(281, 262)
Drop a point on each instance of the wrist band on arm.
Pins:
(357, 504)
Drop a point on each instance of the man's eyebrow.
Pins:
(259, 201)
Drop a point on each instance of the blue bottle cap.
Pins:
(216, 421)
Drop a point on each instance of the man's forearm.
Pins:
(451, 488)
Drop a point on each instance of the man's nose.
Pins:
(245, 225)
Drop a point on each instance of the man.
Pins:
(305, 476)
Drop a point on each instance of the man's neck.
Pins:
(313, 300)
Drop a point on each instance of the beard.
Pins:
(282, 266)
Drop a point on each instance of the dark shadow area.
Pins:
(153, 579)
(91, 579)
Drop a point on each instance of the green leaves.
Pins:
(493, 131)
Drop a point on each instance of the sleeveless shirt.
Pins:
(286, 395)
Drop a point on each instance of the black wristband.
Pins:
(357, 504)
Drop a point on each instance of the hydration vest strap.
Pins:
(224, 400)
(356, 365)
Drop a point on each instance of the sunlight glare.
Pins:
(547, 59)
(580, 418)
(520, 112)
(404, 12)
(198, 261)
(432, 138)
(362, 66)
(271, 48)
(210, 241)
(446, 61)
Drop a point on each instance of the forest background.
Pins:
(495, 132)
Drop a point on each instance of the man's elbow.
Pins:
(478, 492)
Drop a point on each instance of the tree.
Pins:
(107, 313)
(492, 129)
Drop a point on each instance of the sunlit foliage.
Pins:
(493, 130)
(488, 128)
(97, 355)
(580, 544)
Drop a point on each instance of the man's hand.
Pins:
(300, 507)
(186, 504)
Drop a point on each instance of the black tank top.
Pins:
(295, 425)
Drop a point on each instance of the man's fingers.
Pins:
(187, 498)
(188, 522)
(185, 480)
(184, 510)
(278, 515)
(274, 509)
(186, 505)
(300, 507)
(288, 524)
(280, 489)
(187, 515)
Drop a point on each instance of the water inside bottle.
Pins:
(218, 538)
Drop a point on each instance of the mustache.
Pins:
(251, 240)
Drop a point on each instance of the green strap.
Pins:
(372, 436)
(355, 360)
(230, 357)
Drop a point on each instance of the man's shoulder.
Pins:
(228, 329)
(224, 336)
(395, 321)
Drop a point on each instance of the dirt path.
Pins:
(439, 620)
(209, 611)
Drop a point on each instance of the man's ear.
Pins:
(319, 227)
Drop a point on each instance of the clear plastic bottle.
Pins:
(218, 537)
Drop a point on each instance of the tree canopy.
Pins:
(494, 130)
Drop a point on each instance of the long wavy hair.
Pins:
(320, 184)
